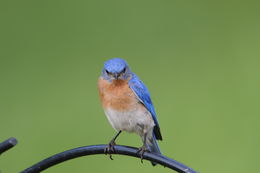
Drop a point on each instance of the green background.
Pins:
(199, 59)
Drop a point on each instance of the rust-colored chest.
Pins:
(116, 94)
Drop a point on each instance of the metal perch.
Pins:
(7, 144)
(96, 149)
(99, 149)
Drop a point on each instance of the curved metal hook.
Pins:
(99, 149)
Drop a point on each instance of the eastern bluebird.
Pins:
(128, 106)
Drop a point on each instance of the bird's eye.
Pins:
(107, 72)
(123, 71)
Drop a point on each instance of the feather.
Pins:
(143, 95)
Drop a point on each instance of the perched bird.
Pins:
(128, 106)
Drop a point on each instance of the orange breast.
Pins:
(116, 95)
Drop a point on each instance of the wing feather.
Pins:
(143, 95)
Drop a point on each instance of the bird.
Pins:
(128, 106)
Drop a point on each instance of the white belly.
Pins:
(136, 120)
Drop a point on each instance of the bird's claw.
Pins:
(110, 149)
(141, 152)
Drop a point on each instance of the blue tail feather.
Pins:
(154, 148)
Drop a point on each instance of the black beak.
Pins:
(116, 76)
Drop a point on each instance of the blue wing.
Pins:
(142, 93)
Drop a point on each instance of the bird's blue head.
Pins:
(116, 69)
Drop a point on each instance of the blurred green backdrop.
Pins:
(199, 59)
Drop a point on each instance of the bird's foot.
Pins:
(110, 149)
(141, 152)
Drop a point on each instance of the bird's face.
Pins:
(116, 69)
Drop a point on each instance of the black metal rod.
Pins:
(7, 144)
(99, 149)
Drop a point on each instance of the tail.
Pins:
(154, 148)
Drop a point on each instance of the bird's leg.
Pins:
(110, 147)
(143, 148)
